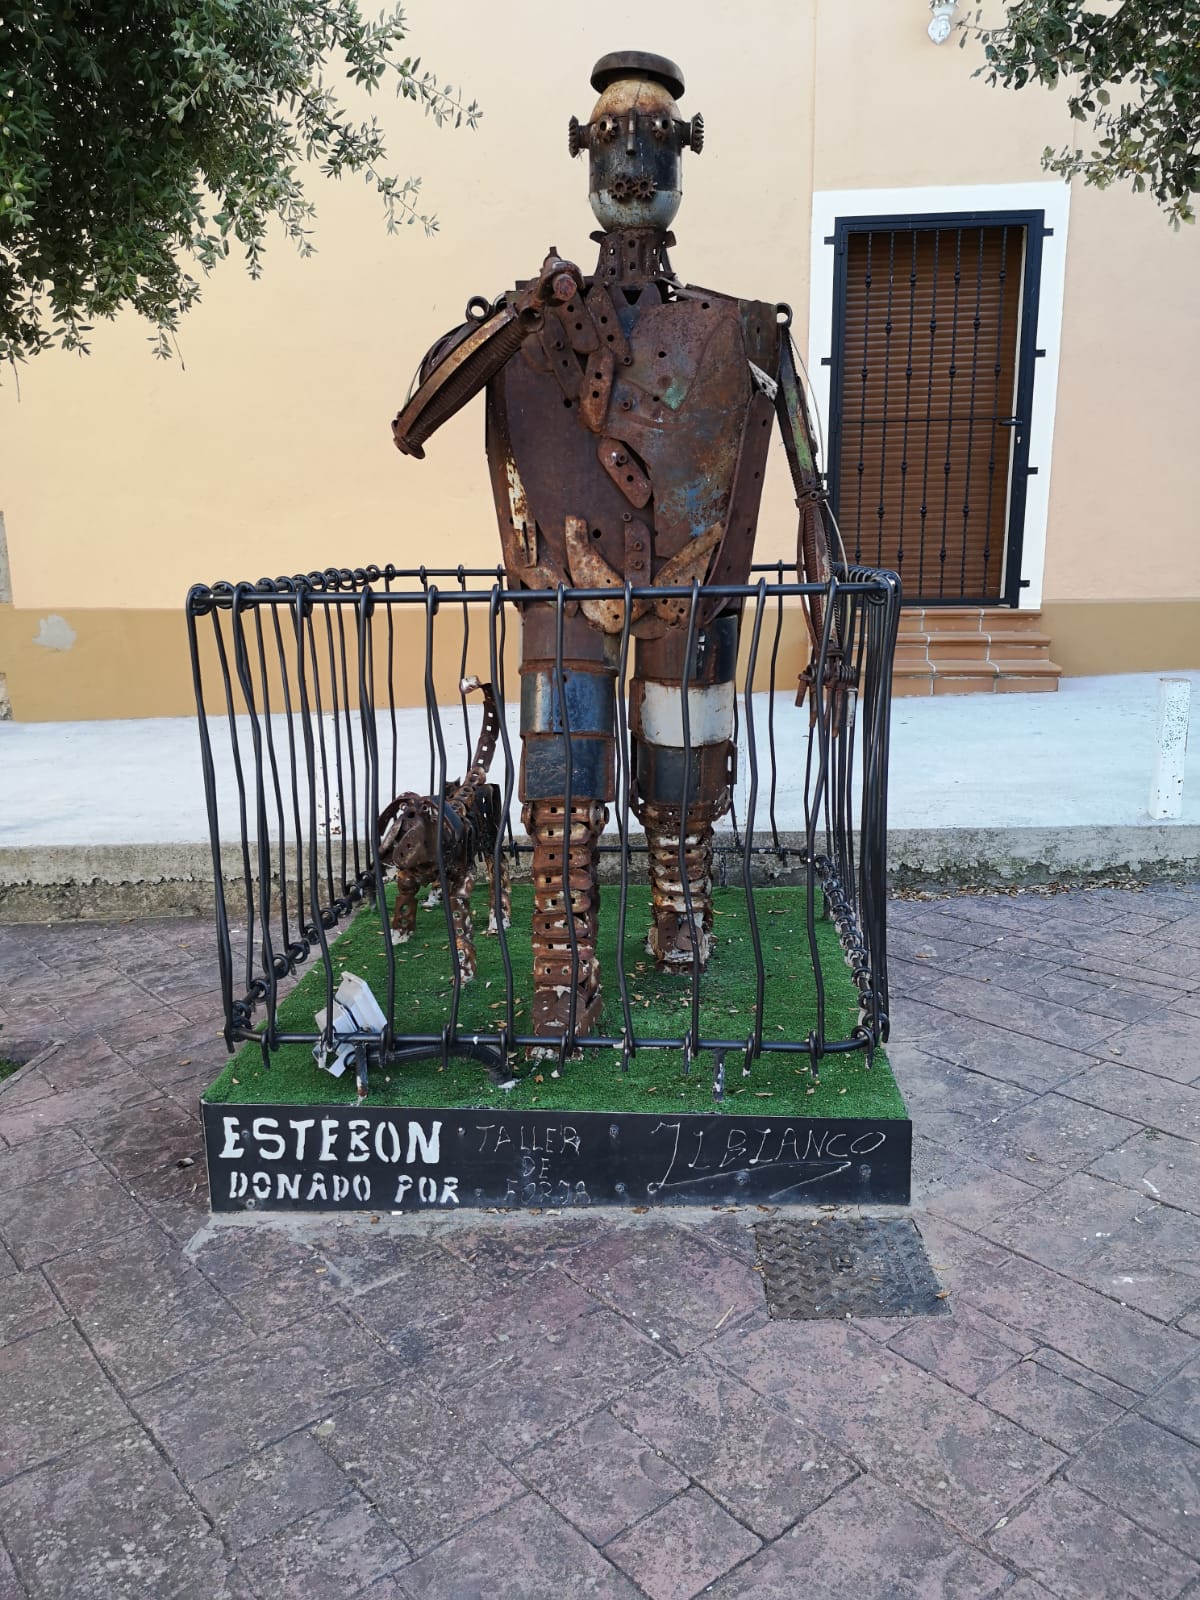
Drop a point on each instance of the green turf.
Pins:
(778, 1084)
(7, 1068)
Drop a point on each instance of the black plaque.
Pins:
(388, 1158)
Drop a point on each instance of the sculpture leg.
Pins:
(460, 911)
(565, 975)
(566, 971)
(505, 895)
(681, 892)
(404, 917)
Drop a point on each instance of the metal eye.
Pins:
(605, 129)
(662, 127)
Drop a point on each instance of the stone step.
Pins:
(1026, 646)
(965, 675)
(966, 619)
(912, 680)
(973, 675)
(1023, 667)
(955, 646)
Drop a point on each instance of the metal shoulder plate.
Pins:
(455, 369)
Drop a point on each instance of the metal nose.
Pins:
(631, 135)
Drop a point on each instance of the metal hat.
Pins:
(637, 64)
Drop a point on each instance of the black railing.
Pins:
(304, 740)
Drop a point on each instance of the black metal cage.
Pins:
(310, 721)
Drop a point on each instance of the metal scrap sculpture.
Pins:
(629, 417)
(469, 817)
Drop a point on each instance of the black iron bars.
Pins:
(302, 745)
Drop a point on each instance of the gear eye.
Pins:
(606, 129)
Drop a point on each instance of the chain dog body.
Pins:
(470, 818)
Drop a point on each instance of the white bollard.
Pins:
(1166, 786)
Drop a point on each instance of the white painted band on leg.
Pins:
(710, 714)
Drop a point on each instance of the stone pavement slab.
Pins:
(946, 1451)
(1149, 1474)
(219, 1413)
(1126, 1245)
(1116, 1341)
(424, 1467)
(1177, 1404)
(110, 1522)
(526, 1549)
(1063, 1412)
(271, 1490)
(761, 1463)
(865, 1544)
(337, 1550)
(1154, 1164)
(601, 1476)
(1079, 1548)
(682, 1548)
(597, 1404)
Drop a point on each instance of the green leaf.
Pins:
(124, 124)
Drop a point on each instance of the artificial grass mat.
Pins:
(779, 1084)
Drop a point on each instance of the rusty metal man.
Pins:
(628, 422)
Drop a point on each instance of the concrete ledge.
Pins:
(1002, 857)
(92, 882)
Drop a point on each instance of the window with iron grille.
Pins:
(935, 323)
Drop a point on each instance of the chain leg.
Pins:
(460, 911)
(559, 972)
(665, 762)
(566, 844)
(404, 917)
(673, 934)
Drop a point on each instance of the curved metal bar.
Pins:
(496, 664)
(560, 689)
(629, 1043)
(760, 975)
(684, 877)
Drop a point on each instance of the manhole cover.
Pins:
(847, 1267)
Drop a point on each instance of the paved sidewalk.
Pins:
(548, 1407)
(108, 818)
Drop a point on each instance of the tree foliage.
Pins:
(140, 139)
(1133, 72)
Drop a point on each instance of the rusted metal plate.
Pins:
(597, 389)
(624, 470)
(838, 1267)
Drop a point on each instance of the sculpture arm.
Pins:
(813, 558)
(462, 363)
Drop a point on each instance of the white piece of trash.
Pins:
(355, 1010)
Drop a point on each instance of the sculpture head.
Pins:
(635, 139)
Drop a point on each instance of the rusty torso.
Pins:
(634, 429)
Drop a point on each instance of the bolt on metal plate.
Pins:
(837, 1267)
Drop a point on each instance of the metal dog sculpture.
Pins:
(470, 817)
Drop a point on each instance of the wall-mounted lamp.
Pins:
(942, 22)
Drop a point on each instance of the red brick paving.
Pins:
(529, 1409)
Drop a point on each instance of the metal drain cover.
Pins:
(847, 1267)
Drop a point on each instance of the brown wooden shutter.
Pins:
(928, 367)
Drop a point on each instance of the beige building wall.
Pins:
(266, 448)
